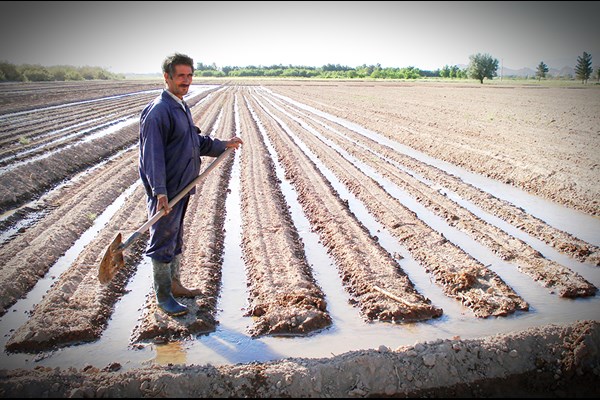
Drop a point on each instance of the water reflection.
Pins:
(170, 353)
(231, 346)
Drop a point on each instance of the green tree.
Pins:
(445, 72)
(58, 73)
(88, 73)
(10, 72)
(542, 69)
(454, 71)
(365, 70)
(274, 72)
(482, 66)
(226, 69)
(583, 70)
(36, 73)
(73, 75)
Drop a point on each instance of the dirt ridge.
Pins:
(548, 361)
(551, 274)
(462, 277)
(362, 262)
(284, 298)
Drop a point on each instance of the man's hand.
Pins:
(163, 202)
(234, 142)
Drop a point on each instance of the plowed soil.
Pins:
(438, 166)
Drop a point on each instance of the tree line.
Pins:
(328, 71)
(37, 73)
(481, 66)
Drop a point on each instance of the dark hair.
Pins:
(176, 59)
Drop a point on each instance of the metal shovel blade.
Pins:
(112, 261)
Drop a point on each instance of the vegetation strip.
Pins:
(362, 262)
(284, 298)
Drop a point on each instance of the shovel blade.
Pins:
(112, 261)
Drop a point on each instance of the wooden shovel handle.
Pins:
(176, 199)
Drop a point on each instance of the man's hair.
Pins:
(176, 59)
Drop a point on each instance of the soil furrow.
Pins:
(77, 307)
(21, 132)
(44, 122)
(72, 210)
(36, 177)
(545, 362)
(516, 216)
(551, 274)
(28, 96)
(459, 134)
(207, 113)
(64, 140)
(362, 262)
(284, 298)
(530, 261)
(397, 140)
(461, 276)
(203, 252)
(72, 136)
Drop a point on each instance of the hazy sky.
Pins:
(136, 36)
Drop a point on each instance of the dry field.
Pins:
(369, 239)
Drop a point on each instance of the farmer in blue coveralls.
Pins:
(170, 150)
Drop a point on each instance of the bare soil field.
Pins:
(439, 207)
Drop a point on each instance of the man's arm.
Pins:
(152, 158)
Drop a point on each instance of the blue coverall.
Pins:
(170, 150)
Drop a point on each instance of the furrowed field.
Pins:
(369, 238)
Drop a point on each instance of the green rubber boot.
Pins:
(162, 287)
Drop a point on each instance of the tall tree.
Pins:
(482, 66)
(542, 69)
(583, 70)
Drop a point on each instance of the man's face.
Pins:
(182, 79)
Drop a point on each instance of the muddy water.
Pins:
(232, 344)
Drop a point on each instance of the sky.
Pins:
(135, 37)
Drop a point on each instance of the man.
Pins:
(170, 150)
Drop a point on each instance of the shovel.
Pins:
(113, 260)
